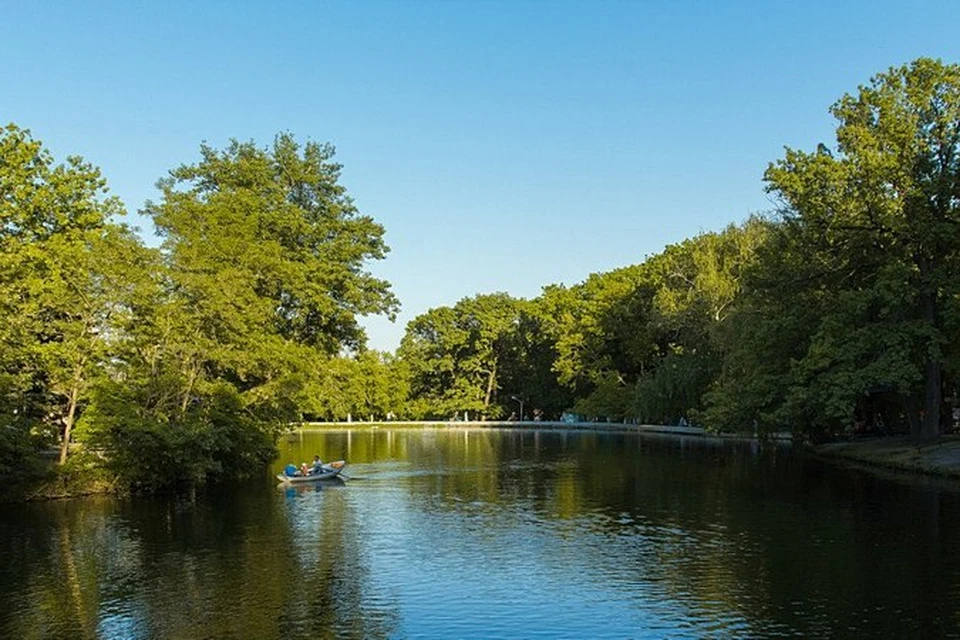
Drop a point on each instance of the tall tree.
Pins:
(64, 279)
(883, 209)
(262, 280)
(456, 355)
(267, 253)
(697, 285)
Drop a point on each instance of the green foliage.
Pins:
(214, 439)
(370, 385)
(180, 366)
(645, 342)
(527, 367)
(639, 342)
(594, 325)
(267, 241)
(18, 450)
(258, 292)
(62, 284)
(455, 356)
(868, 251)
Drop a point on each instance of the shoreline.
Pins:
(896, 453)
(899, 453)
(545, 424)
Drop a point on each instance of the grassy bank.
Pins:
(44, 479)
(940, 458)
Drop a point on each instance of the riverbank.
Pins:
(660, 429)
(940, 458)
(55, 483)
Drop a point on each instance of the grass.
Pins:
(941, 457)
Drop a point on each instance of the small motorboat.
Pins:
(327, 471)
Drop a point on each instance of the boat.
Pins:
(328, 471)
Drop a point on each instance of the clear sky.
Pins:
(503, 145)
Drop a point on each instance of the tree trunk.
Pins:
(932, 378)
(194, 372)
(491, 382)
(932, 400)
(71, 412)
(72, 580)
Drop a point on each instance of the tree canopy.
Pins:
(876, 221)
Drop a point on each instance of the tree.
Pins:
(697, 287)
(361, 386)
(526, 366)
(595, 326)
(65, 273)
(881, 211)
(645, 341)
(455, 355)
(257, 297)
(267, 250)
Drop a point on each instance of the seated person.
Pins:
(317, 465)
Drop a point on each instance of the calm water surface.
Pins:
(499, 534)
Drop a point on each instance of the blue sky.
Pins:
(505, 146)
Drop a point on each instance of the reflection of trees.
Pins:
(227, 566)
(261, 567)
(327, 594)
(51, 579)
(787, 543)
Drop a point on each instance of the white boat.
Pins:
(328, 471)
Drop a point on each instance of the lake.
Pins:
(492, 533)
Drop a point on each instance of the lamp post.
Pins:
(521, 406)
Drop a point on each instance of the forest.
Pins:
(836, 314)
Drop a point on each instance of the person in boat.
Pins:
(317, 465)
(304, 469)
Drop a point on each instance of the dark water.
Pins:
(499, 534)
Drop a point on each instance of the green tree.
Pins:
(878, 221)
(645, 341)
(455, 355)
(697, 286)
(769, 330)
(64, 285)
(595, 328)
(366, 385)
(527, 366)
(257, 297)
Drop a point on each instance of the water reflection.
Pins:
(498, 533)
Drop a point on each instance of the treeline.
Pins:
(647, 342)
(181, 364)
(838, 313)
